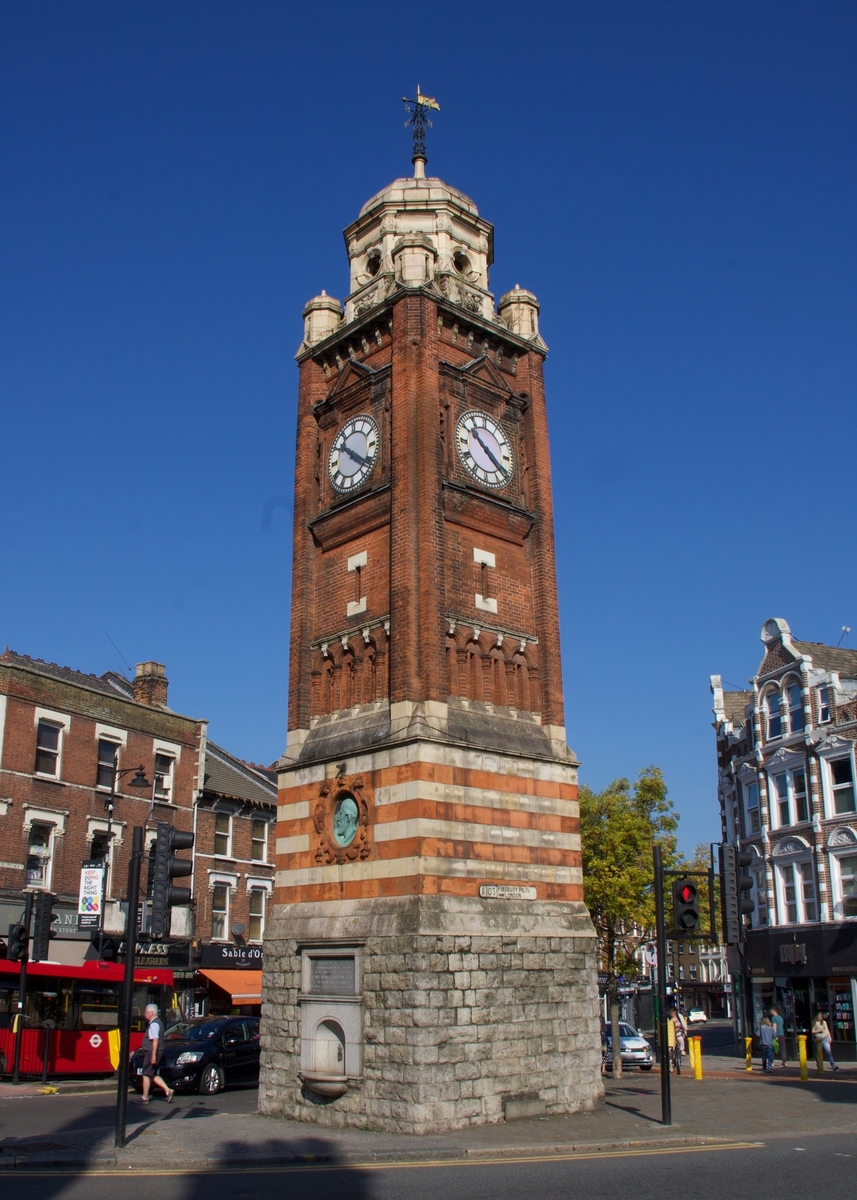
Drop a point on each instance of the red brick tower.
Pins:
(430, 953)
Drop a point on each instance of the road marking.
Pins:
(434, 1164)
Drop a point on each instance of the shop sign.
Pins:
(227, 956)
(793, 952)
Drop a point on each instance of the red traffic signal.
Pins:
(685, 906)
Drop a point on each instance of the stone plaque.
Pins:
(506, 891)
(332, 976)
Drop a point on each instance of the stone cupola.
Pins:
(420, 231)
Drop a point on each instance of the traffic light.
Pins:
(165, 868)
(42, 922)
(685, 906)
(18, 943)
(735, 886)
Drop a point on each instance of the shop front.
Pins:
(801, 969)
(229, 980)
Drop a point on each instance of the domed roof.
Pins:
(419, 191)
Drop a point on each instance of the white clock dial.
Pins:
(484, 449)
(353, 453)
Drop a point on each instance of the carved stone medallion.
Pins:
(341, 821)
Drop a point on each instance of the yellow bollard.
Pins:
(748, 1051)
(801, 1056)
(819, 1057)
(697, 1057)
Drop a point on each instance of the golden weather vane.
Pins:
(418, 110)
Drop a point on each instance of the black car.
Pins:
(206, 1055)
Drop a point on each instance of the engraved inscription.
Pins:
(332, 976)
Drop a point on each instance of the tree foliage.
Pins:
(618, 828)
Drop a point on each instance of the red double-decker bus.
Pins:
(71, 1011)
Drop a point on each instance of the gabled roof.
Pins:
(108, 683)
(484, 370)
(830, 658)
(230, 778)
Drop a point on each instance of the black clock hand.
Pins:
(487, 450)
(358, 458)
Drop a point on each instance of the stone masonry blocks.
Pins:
(441, 1049)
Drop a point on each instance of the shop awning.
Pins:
(245, 987)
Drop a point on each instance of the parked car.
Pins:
(696, 1016)
(206, 1055)
(633, 1047)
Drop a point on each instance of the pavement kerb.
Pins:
(92, 1162)
(122, 1158)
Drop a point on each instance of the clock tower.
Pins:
(429, 957)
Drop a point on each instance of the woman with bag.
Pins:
(821, 1034)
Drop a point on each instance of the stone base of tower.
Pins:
(458, 1004)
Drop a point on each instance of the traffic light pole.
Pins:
(22, 993)
(128, 986)
(661, 934)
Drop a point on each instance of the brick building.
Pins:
(65, 739)
(234, 879)
(63, 734)
(430, 953)
(786, 785)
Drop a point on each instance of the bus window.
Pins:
(97, 1007)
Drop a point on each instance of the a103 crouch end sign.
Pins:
(506, 891)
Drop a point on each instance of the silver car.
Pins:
(635, 1050)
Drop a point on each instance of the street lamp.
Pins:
(141, 783)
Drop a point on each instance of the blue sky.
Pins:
(674, 180)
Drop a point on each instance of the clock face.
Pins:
(353, 453)
(484, 449)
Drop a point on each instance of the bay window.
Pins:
(751, 804)
(780, 794)
(847, 868)
(842, 785)
(774, 712)
(797, 892)
(794, 696)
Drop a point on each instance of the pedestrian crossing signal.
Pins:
(685, 907)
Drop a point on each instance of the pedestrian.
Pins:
(151, 1044)
(821, 1034)
(676, 1038)
(779, 1036)
(766, 1043)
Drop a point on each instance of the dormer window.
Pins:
(794, 695)
(774, 711)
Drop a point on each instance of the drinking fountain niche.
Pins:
(331, 1019)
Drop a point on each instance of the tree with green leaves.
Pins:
(618, 828)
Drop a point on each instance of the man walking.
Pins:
(766, 1043)
(151, 1045)
(779, 1035)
